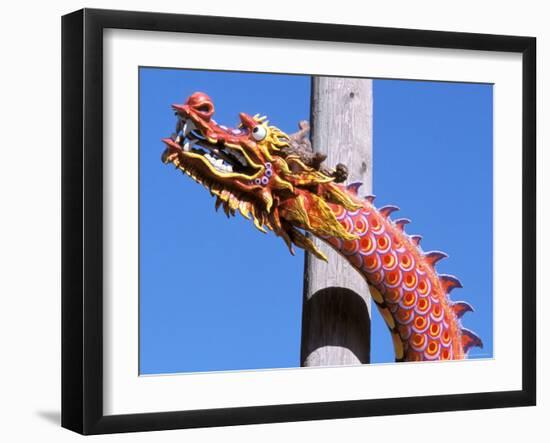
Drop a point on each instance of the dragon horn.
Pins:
(370, 198)
(461, 307)
(434, 256)
(401, 222)
(449, 282)
(388, 209)
(470, 339)
(354, 187)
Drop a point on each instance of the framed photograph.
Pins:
(225, 259)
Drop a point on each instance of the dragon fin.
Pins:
(354, 187)
(449, 282)
(387, 210)
(416, 239)
(461, 307)
(401, 222)
(470, 339)
(434, 256)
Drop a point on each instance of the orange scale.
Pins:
(433, 348)
(446, 354)
(371, 263)
(404, 317)
(376, 224)
(361, 225)
(437, 312)
(393, 295)
(418, 340)
(420, 323)
(410, 280)
(422, 305)
(446, 337)
(409, 299)
(376, 277)
(350, 247)
(383, 242)
(406, 262)
(435, 330)
(396, 242)
(366, 245)
(422, 287)
(347, 224)
(389, 261)
(392, 278)
(339, 211)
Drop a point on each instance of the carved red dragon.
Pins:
(258, 170)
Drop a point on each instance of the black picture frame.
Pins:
(82, 219)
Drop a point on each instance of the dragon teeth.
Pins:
(188, 145)
(218, 163)
(240, 157)
(188, 126)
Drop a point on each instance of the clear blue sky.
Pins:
(216, 294)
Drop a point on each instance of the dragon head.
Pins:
(252, 169)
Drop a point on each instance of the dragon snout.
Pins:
(198, 103)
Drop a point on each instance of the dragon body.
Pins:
(256, 170)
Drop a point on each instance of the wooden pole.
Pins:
(336, 310)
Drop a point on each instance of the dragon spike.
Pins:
(434, 256)
(258, 225)
(226, 209)
(401, 222)
(354, 187)
(244, 209)
(470, 339)
(416, 239)
(387, 210)
(370, 198)
(461, 307)
(449, 282)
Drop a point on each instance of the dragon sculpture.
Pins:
(267, 176)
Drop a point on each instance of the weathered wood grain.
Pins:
(336, 310)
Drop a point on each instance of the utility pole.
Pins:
(336, 309)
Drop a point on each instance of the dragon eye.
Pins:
(259, 133)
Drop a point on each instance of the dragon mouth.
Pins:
(205, 157)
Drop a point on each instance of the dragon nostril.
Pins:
(205, 107)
